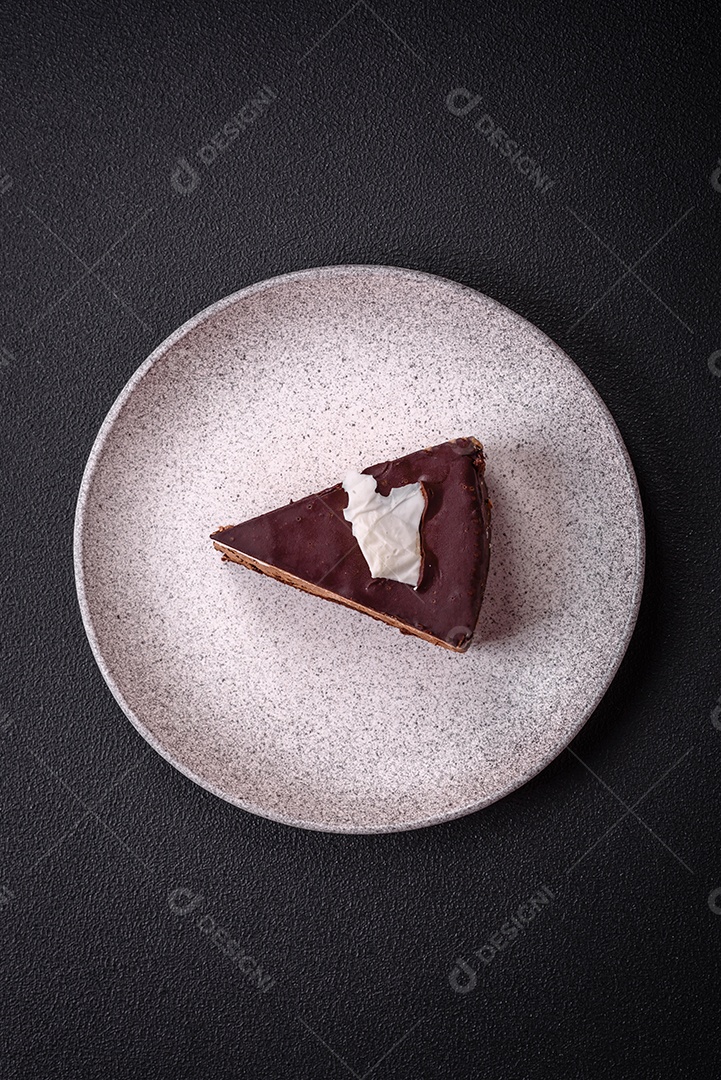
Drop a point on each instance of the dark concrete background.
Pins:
(123, 887)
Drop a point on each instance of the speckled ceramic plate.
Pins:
(301, 710)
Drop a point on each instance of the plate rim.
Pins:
(95, 457)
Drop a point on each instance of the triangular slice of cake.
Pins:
(427, 525)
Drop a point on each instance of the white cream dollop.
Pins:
(387, 527)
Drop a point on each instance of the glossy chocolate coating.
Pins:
(311, 539)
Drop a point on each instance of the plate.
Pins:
(300, 710)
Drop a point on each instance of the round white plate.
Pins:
(301, 710)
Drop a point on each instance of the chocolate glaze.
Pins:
(311, 539)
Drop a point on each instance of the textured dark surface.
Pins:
(595, 213)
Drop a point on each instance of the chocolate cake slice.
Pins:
(310, 544)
